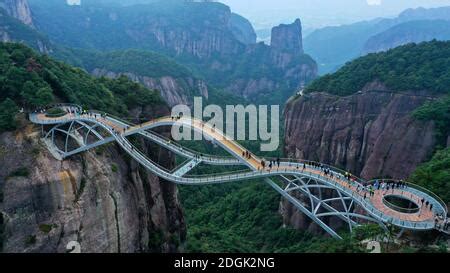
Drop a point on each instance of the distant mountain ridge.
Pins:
(332, 47)
(409, 32)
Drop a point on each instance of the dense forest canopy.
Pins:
(30, 80)
(144, 63)
(410, 67)
(435, 174)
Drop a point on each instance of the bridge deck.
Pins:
(375, 202)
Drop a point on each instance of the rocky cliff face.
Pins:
(101, 199)
(13, 30)
(177, 28)
(371, 134)
(281, 68)
(4, 36)
(18, 9)
(242, 29)
(288, 38)
(174, 91)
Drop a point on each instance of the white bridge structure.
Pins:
(305, 184)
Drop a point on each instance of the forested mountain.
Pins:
(410, 67)
(30, 80)
(332, 47)
(176, 83)
(206, 37)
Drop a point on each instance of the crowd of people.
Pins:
(365, 191)
(388, 185)
(246, 154)
(271, 164)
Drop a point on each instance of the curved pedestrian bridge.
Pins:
(318, 190)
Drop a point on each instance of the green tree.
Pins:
(370, 231)
(8, 111)
(435, 174)
(28, 93)
(44, 96)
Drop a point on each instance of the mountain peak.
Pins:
(288, 37)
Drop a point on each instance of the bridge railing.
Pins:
(317, 166)
(400, 209)
(386, 218)
(219, 132)
(181, 165)
(164, 172)
(132, 149)
(60, 105)
(106, 115)
(173, 143)
(418, 188)
(33, 118)
(193, 152)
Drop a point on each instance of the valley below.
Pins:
(366, 102)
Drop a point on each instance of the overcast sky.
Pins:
(316, 13)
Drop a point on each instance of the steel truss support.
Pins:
(78, 131)
(313, 196)
(308, 195)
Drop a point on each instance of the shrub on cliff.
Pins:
(8, 111)
(424, 66)
(439, 112)
(435, 174)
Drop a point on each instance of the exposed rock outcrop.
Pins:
(174, 91)
(371, 134)
(14, 30)
(101, 199)
(288, 37)
(18, 9)
(242, 29)
(284, 67)
(4, 36)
